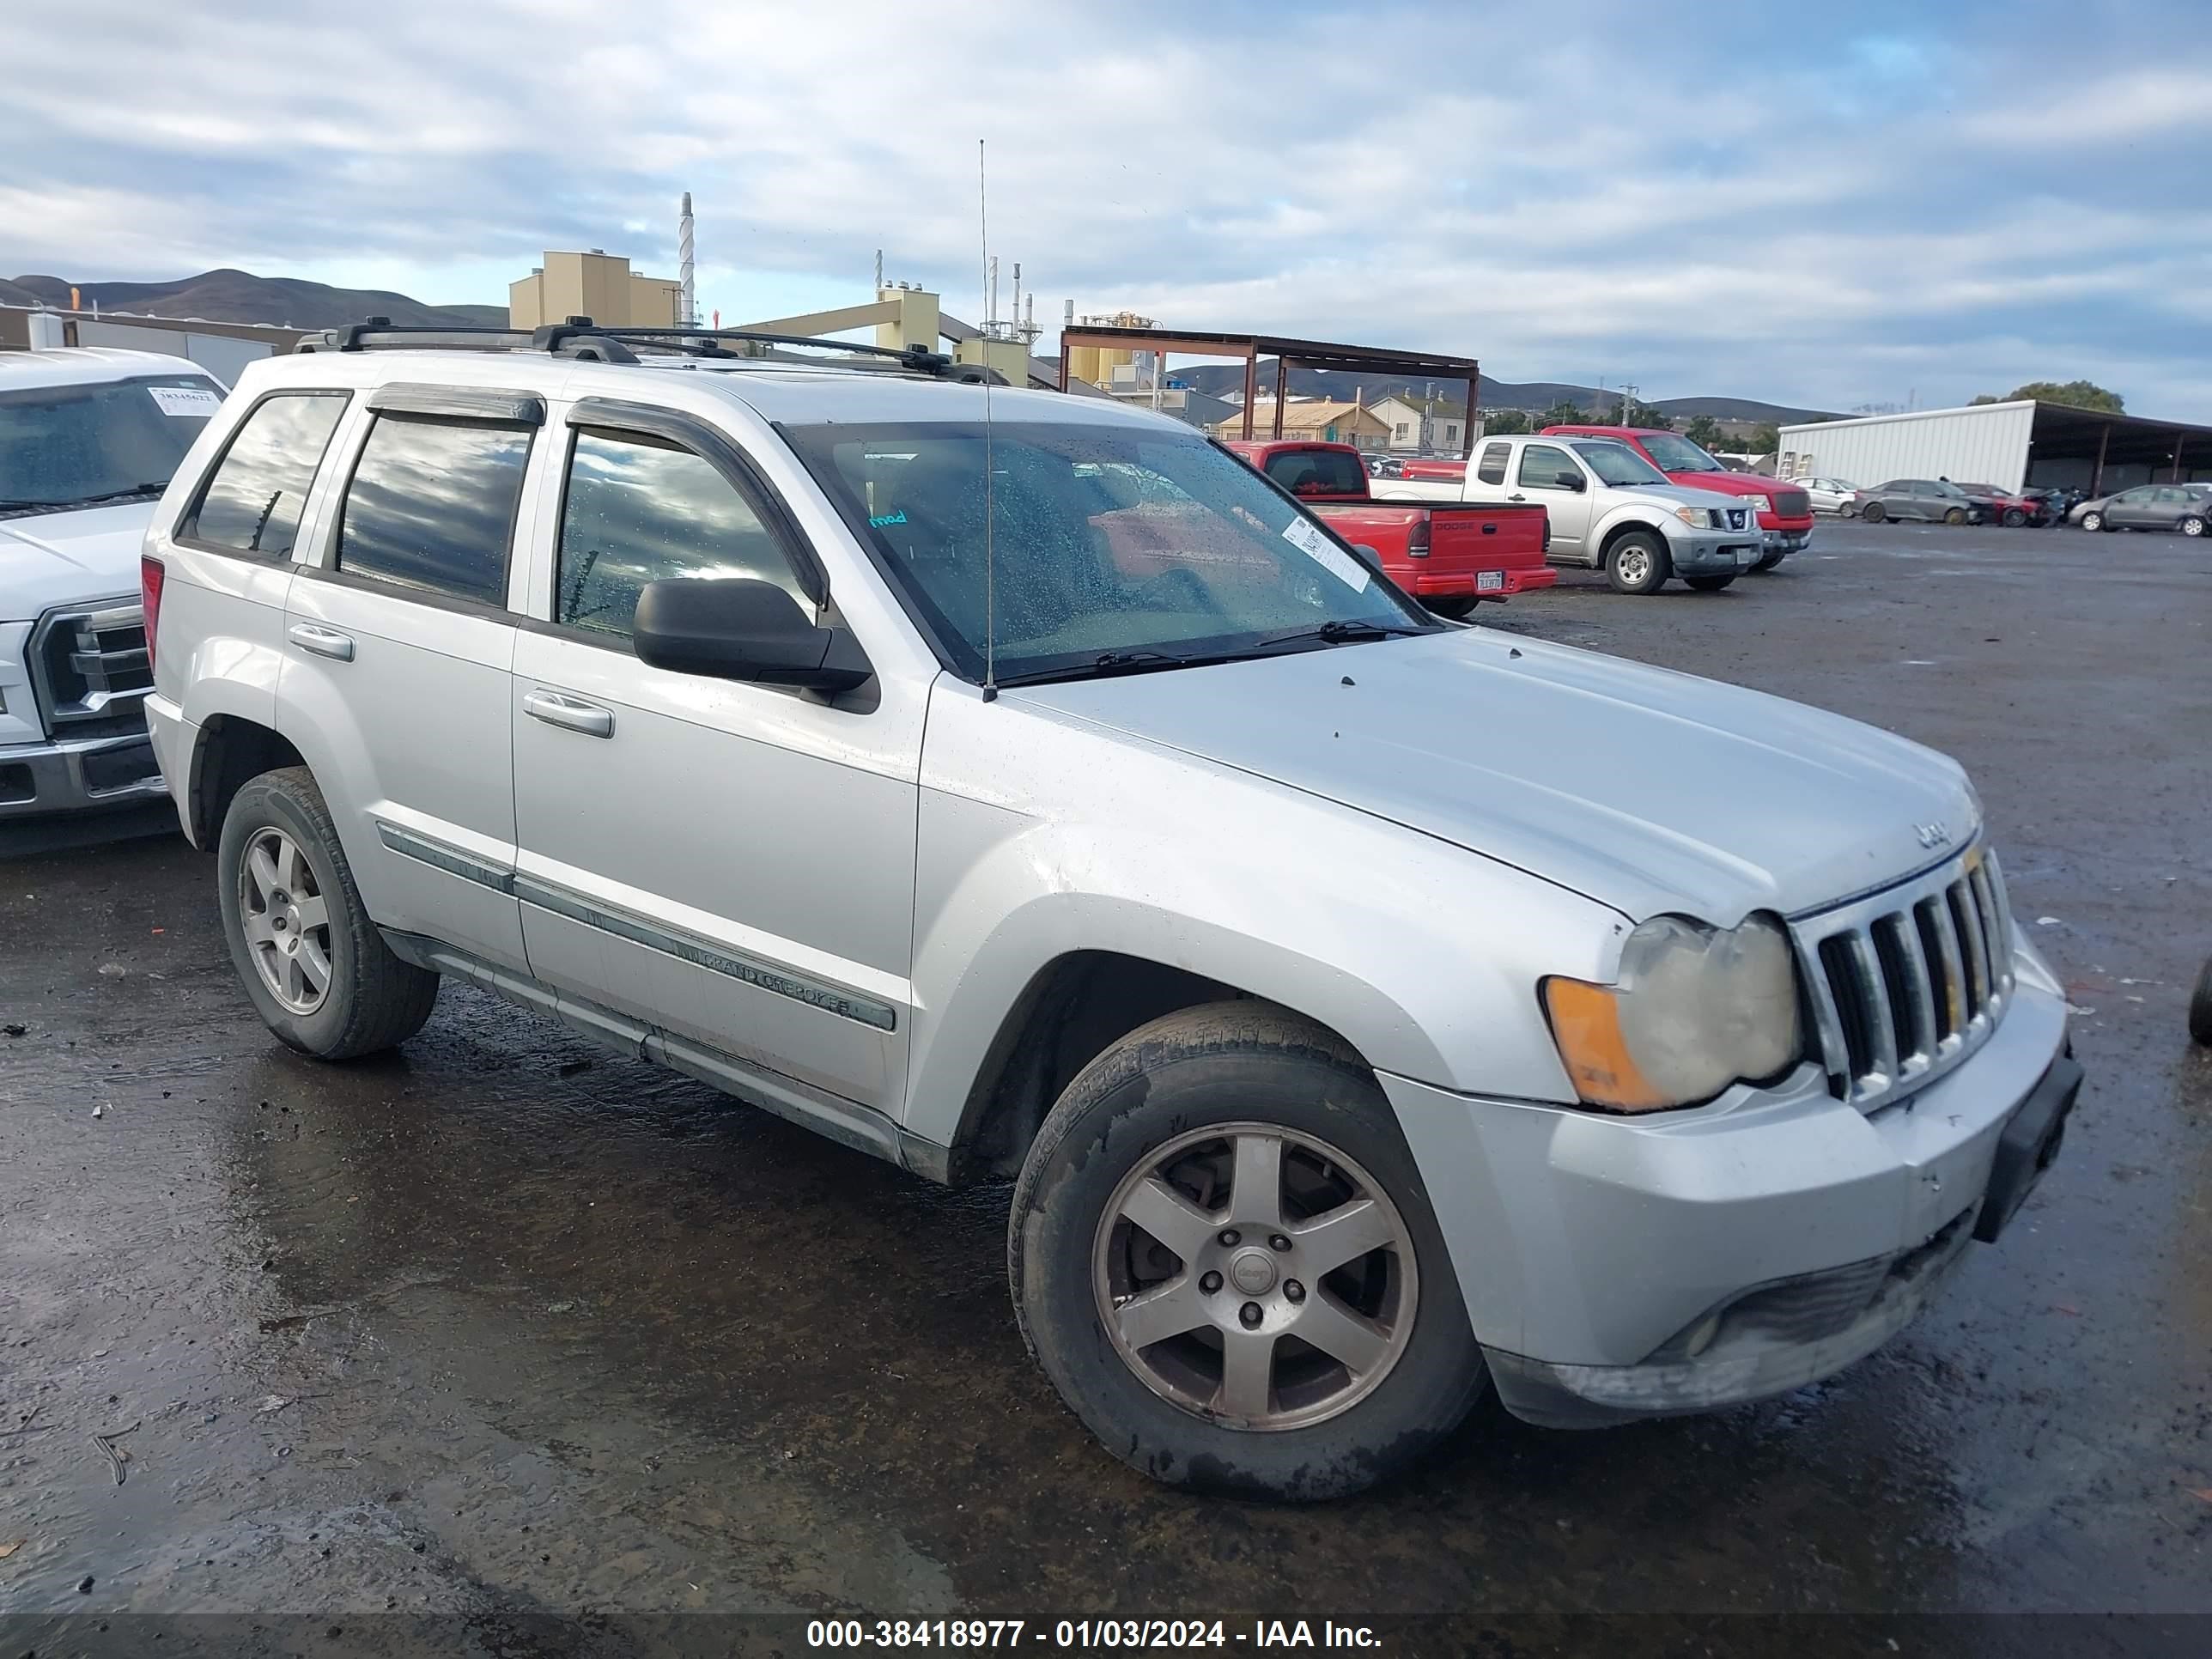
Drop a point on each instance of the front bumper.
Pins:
(1785, 541)
(1713, 553)
(82, 774)
(1617, 1267)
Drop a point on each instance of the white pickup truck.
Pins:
(89, 438)
(1610, 509)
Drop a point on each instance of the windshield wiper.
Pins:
(1107, 664)
(1334, 632)
(116, 495)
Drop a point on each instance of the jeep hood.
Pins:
(1646, 790)
(48, 559)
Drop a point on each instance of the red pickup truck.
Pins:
(1786, 512)
(1447, 556)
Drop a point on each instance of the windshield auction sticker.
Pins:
(1325, 554)
(185, 402)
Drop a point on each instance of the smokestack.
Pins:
(690, 317)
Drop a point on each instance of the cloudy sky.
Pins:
(1837, 205)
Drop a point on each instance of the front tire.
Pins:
(1637, 563)
(1709, 584)
(1456, 606)
(1223, 1255)
(2015, 517)
(1768, 560)
(316, 969)
(1956, 515)
(2093, 522)
(2192, 525)
(2200, 1007)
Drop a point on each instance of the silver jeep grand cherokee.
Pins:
(1368, 1009)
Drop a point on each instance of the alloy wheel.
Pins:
(1255, 1277)
(286, 921)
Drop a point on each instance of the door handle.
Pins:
(1517, 497)
(323, 641)
(568, 713)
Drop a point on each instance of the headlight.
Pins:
(1694, 1010)
(1761, 503)
(1696, 518)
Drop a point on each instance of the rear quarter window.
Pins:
(1492, 469)
(253, 499)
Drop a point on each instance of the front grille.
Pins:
(90, 669)
(1790, 503)
(1907, 983)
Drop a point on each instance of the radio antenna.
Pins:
(990, 563)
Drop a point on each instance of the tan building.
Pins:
(1311, 419)
(1418, 425)
(595, 284)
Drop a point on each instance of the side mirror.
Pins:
(1368, 557)
(743, 629)
(1568, 479)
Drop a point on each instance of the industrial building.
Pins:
(2011, 445)
(222, 348)
(595, 284)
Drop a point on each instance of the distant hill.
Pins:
(1219, 380)
(239, 296)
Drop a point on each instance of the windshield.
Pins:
(1617, 464)
(1106, 541)
(1676, 454)
(67, 446)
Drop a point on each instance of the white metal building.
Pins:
(2010, 445)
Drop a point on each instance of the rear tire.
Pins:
(2015, 517)
(1637, 563)
(1874, 512)
(319, 973)
(1707, 584)
(1456, 606)
(1133, 1137)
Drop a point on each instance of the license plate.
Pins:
(1490, 582)
(1746, 556)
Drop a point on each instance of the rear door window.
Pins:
(638, 510)
(253, 502)
(432, 506)
(1492, 470)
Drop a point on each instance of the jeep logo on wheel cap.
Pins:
(1252, 1271)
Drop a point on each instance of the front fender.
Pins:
(1040, 835)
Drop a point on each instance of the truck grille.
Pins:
(1790, 503)
(90, 670)
(1906, 983)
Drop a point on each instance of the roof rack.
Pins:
(582, 338)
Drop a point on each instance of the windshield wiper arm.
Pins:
(1333, 632)
(1109, 663)
(117, 495)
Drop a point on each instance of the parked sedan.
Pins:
(2005, 506)
(1828, 494)
(1935, 500)
(2185, 507)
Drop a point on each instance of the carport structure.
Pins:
(2062, 438)
(1289, 354)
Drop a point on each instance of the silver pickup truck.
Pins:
(89, 438)
(1369, 1010)
(1610, 510)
